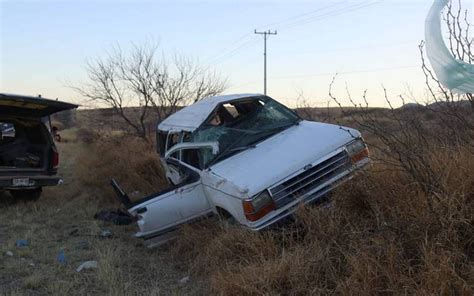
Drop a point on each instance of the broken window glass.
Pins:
(238, 125)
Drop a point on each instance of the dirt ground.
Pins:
(62, 221)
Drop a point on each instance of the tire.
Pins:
(27, 194)
(226, 219)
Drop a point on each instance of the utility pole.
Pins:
(265, 36)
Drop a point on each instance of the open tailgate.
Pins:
(25, 106)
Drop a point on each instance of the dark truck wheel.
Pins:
(226, 218)
(27, 194)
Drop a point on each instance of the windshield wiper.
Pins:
(242, 148)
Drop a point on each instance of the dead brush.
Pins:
(133, 162)
(379, 236)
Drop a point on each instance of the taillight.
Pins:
(55, 159)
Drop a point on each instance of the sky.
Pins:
(371, 44)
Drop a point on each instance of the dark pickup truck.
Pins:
(29, 158)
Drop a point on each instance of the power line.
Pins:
(290, 22)
(301, 15)
(347, 9)
(235, 51)
(228, 49)
(371, 46)
(346, 72)
(299, 19)
(376, 70)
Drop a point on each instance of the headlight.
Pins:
(357, 150)
(259, 206)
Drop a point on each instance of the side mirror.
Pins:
(186, 146)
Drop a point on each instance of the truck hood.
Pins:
(25, 106)
(279, 156)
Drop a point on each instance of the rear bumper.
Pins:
(7, 182)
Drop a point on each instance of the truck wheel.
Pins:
(27, 194)
(226, 218)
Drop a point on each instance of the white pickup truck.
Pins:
(244, 157)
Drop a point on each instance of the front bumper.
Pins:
(311, 197)
(7, 182)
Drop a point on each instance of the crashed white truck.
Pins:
(243, 157)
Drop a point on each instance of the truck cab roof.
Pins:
(192, 116)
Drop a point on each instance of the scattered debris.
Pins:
(87, 265)
(118, 217)
(184, 280)
(9, 253)
(106, 233)
(61, 257)
(22, 243)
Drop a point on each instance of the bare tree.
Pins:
(142, 82)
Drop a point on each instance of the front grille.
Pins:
(310, 179)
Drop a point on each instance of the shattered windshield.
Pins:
(239, 125)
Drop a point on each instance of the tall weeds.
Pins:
(378, 237)
(130, 160)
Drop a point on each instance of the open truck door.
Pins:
(29, 158)
(159, 214)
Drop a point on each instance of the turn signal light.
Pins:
(251, 215)
(360, 155)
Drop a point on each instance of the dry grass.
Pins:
(132, 162)
(63, 220)
(378, 236)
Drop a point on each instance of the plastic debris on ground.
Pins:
(87, 265)
(22, 243)
(61, 257)
(184, 280)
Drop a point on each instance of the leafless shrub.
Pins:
(154, 85)
(307, 111)
(405, 140)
